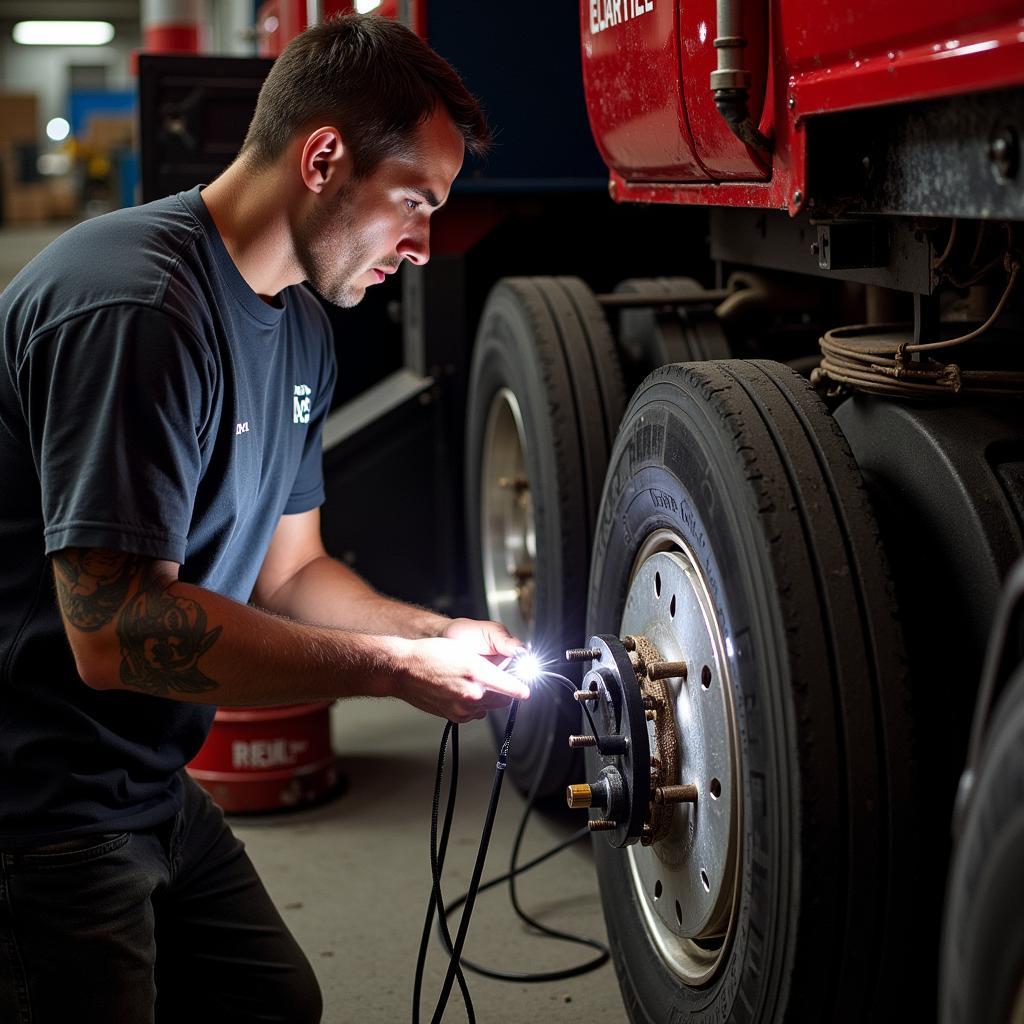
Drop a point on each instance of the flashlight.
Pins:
(526, 666)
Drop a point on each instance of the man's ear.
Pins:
(324, 158)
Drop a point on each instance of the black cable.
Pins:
(478, 867)
(510, 876)
(436, 865)
(468, 899)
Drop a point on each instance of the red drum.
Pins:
(268, 759)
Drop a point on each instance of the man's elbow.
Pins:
(95, 667)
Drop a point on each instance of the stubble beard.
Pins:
(331, 254)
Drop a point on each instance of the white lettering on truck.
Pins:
(605, 14)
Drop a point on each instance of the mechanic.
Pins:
(164, 387)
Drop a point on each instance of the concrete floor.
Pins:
(352, 878)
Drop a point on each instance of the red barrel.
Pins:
(268, 759)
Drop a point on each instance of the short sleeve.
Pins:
(308, 489)
(116, 401)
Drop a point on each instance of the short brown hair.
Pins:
(371, 78)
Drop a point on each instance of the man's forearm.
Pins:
(141, 631)
(328, 593)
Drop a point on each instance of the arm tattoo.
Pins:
(92, 585)
(162, 638)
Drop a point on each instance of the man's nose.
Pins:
(415, 248)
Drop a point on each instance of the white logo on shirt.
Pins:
(301, 403)
(242, 428)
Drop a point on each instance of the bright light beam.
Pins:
(527, 667)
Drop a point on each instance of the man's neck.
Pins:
(251, 212)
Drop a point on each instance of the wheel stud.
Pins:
(650, 715)
(667, 670)
(602, 825)
(513, 483)
(675, 794)
(582, 741)
(583, 654)
(582, 695)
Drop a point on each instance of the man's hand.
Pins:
(446, 677)
(491, 639)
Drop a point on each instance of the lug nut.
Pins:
(513, 483)
(582, 741)
(676, 794)
(667, 670)
(602, 825)
(582, 695)
(579, 795)
(647, 836)
(583, 654)
(629, 643)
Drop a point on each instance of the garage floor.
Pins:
(352, 878)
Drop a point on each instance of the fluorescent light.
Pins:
(58, 129)
(63, 33)
(365, 6)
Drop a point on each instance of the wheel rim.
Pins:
(688, 883)
(1017, 1013)
(509, 535)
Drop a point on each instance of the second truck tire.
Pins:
(545, 399)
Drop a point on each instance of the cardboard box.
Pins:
(27, 204)
(107, 132)
(19, 118)
(65, 201)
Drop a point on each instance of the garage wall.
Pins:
(43, 70)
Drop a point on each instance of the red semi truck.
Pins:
(820, 560)
(740, 407)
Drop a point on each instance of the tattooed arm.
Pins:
(133, 625)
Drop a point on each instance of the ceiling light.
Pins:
(58, 129)
(63, 33)
(365, 6)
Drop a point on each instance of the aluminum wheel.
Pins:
(686, 883)
(509, 532)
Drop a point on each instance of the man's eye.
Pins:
(411, 204)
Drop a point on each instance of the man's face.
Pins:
(354, 237)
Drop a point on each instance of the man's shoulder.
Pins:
(125, 257)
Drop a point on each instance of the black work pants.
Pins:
(165, 926)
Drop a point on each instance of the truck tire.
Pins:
(982, 976)
(651, 336)
(545, 399)
(735, 473)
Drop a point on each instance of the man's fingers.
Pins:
(503, 641)
(501, 682)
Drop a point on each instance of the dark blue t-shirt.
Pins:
(152, 403)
